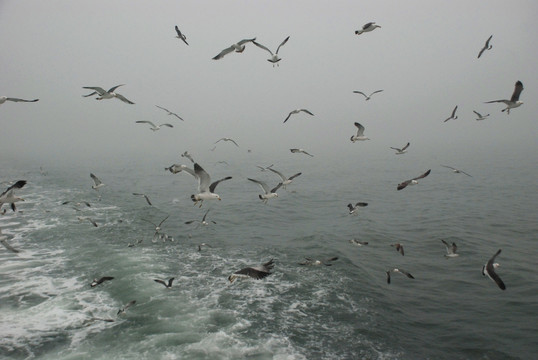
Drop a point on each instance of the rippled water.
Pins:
(343, 311)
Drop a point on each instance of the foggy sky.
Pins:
(424, 57)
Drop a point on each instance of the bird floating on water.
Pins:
(456, 171)
(103, 94)
(514, 100)
(314, 262)
(360, 133)
(181, 36)
(255, 272)
(8, 196)
(170, 113)
(274, 57)
(296, 111)
(480, 117)
(402, 150)
(237, 47)
(487, 46)
(450, 249)
(367, 28)
(453, 115)
(153, 126)
(268, 192)
(367, 97)
(489, 270)
(3, 99)
(412, 181)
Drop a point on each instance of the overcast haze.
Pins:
(424, 57)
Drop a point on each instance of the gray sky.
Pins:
(424, 57)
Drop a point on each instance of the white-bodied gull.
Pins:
(103, 94)
(153, 126)
(402, 150)
(514, 100)
(453, 115)
(480, 116)
(360, 133)
(353, 208)
(285, 180)
(274, 57)
(3, 99)
(296, 111)
(97, 184)
(255, 272)
(158, 234)
(170, 113)
(205, 187)
(202, 222)
(396, 270)
(456, 171)
(367, 97)
(237, 47)
(450, 249)
(489, 270)
(357, 242)
(367, 27)
(269, 193)
(487, 46)
(181, 36)
(412, 181)
(9, 197)
(302, 151)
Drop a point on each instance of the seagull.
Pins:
(237, 47)
(3, 241)
(3, 99)
(82, 218)
(264, 168)
(514, 100)
(203, 222)
(153, 126)
(450, 249)
(456, 171)
(257, 272)
(358, 243)
(487, 46)
(367, 97)
(226, 139)
(157, 227)
(188, 156)
(480, 117)
(274, 57)
(360, 133)
(106, 94)
(8, 196)
(402, 150)
(181, 36)
(398, 271)
(296, 111)
(313, 262)
(285, 181)
(170, 113)
(96, 282)
(129, 304)
(202, 244)
(367, 27)
(399, 248)
(412, 181)
(97, 184)
(77, 204)
(489, 270)
(175, 168)
(145, 197)
(353, 208)
(269, 193)
(295, 151)
(453, 116)
(168, 285)
(205, 189)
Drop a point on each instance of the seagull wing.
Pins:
(449, 167)
(491, 271)
(306, 111)
(375, 92)
(289, 116)
(244, 41)
(18, 185)
(517, 91)
(406, 146)
(481, 51)
(99, 90)
(406, 274)
(360, 92)
(477, 113)
(214, 184)
(224, 52)
(279, 174)
(233, 142)
(423, 175)
(166, 218)
(160, 281)
(112, 89)
(203, 178)
(90, 94)
(273, 190)
(129, 304)
(360, 128)
(403, 185)
(454, 111)
(169, 125)
(125, 100)
(21, 100)
(294, 176)
(262, 184)
(146, 122)
(262, 47)
(253, 273)
(96, 180)
(282, 43)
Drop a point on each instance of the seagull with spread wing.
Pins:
(103, 94)
(274, 57)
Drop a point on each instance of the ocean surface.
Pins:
(345, 311)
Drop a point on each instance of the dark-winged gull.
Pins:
(514, 100)
(3, 99)
(450, 249)
(489, 270)
(367, 27)
(274, 57)
(285, 180)
(202, 222)
(353, 208)
(300, 151)
(8, 196)
(314, 262)
(256, 272)
(237, 47)
(453, 115)
(296, 111)
(181, 36)
(395, 270)
(402, 150)
(269, 193)
(399, 248)
(456, 171)
(412, 181)
(360, 133)
(480, 116)
(169, 112)
(153, 126)
(227, 139)
(128, 305)
(101, 280)
(367, 97)
(145, 197)
(201, 245)
(487, 46)
(103, 94)
(205, 187)
(168, 284)
(97, 183)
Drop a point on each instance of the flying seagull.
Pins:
(202, 222)
(82, 218)
(353, 208)
(237, 47)
(168, 285)
(153, 126)
(296, 111)
(227, 139)
(202, 244)
(296, 151)
(480, 117)
(456, 171)
(128, 305)
(412, 181)
(489, 270)
(77, 204)
(157, 227)
(453, 116)
(514, 100)
(269, 193)
(170, 113)
(181, 36)
(8, 196)
(256, 272)
(314, 262)
(274, 57)
(367, 27)
(205, 189)
(450, 249)
(264, 168)
(395, 270)
(97, 183)
(358, 243)
(487, 46)
(188, 156)
(360, 133)
(367, 97)
(285, 180)
(110, 94)
(145, 197)
(3, 99)
(99, 281)
(402, 150)
(399, 248)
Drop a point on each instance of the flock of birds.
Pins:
(206, 188)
